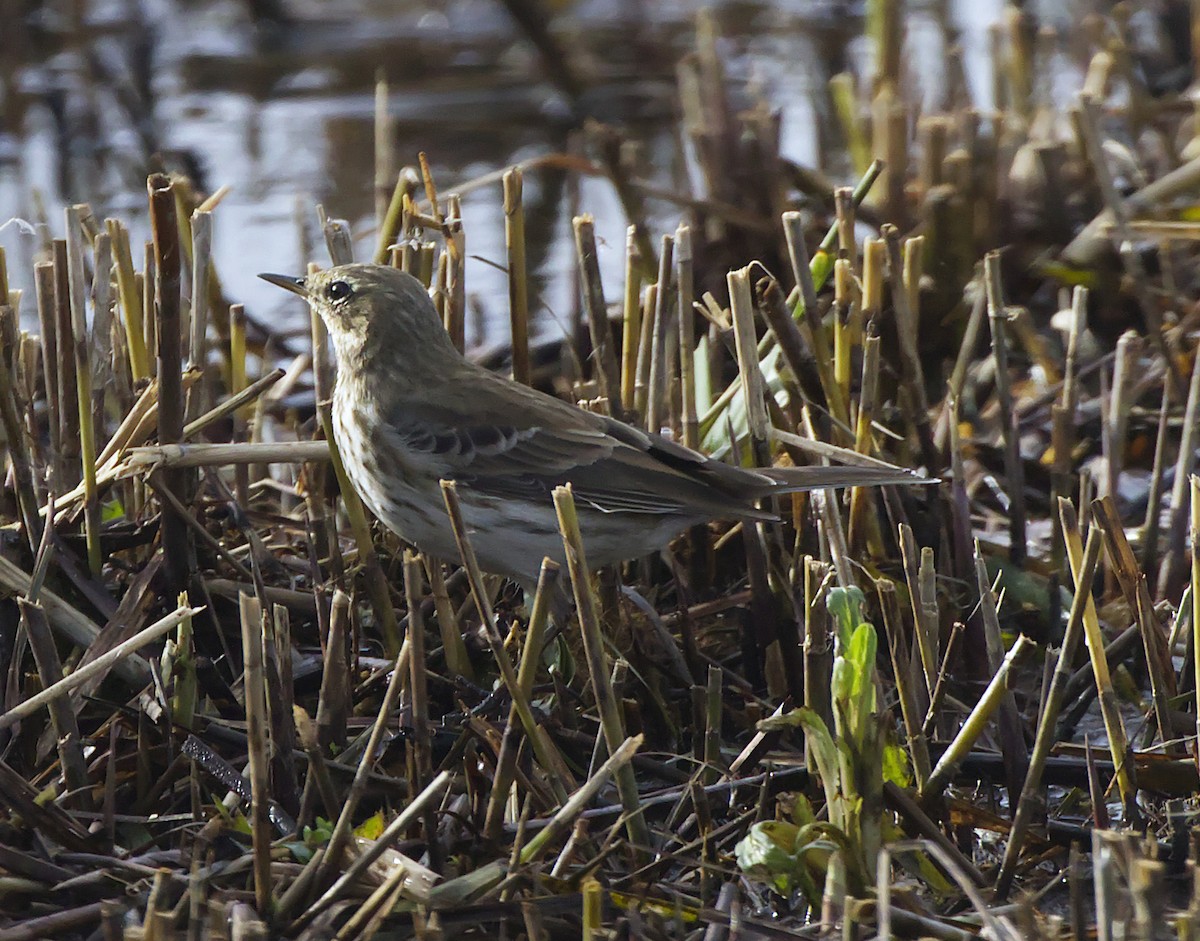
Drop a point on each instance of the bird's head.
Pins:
(371, 308)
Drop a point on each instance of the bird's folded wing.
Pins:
(609, 474)
(521, 444)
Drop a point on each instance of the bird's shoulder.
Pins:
(474, 423)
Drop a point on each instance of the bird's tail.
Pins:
(821, 477)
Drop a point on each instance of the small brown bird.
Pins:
(409, 410)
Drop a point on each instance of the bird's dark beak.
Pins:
(287, 282)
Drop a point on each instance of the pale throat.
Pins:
(350, 347)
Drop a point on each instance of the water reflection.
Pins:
(281, 110)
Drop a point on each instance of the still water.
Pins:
(277, 103)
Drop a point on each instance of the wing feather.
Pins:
(521, 444)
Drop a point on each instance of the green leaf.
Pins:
(370, 828)
(767, 852)
(841, 685)
(802, 810)
(788, 857)
(301, 852)
(895, 765)
(821, 267)
(556, 655)
(861, 652)
(861, 655)
(714, 429)
(825, 755)
(460, 890)
(789, 720)
(318, 835)
(845, 605)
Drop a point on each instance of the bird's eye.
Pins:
(338, 291)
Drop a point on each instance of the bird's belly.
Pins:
(510, 537)
(405, 502)
(507, 537)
